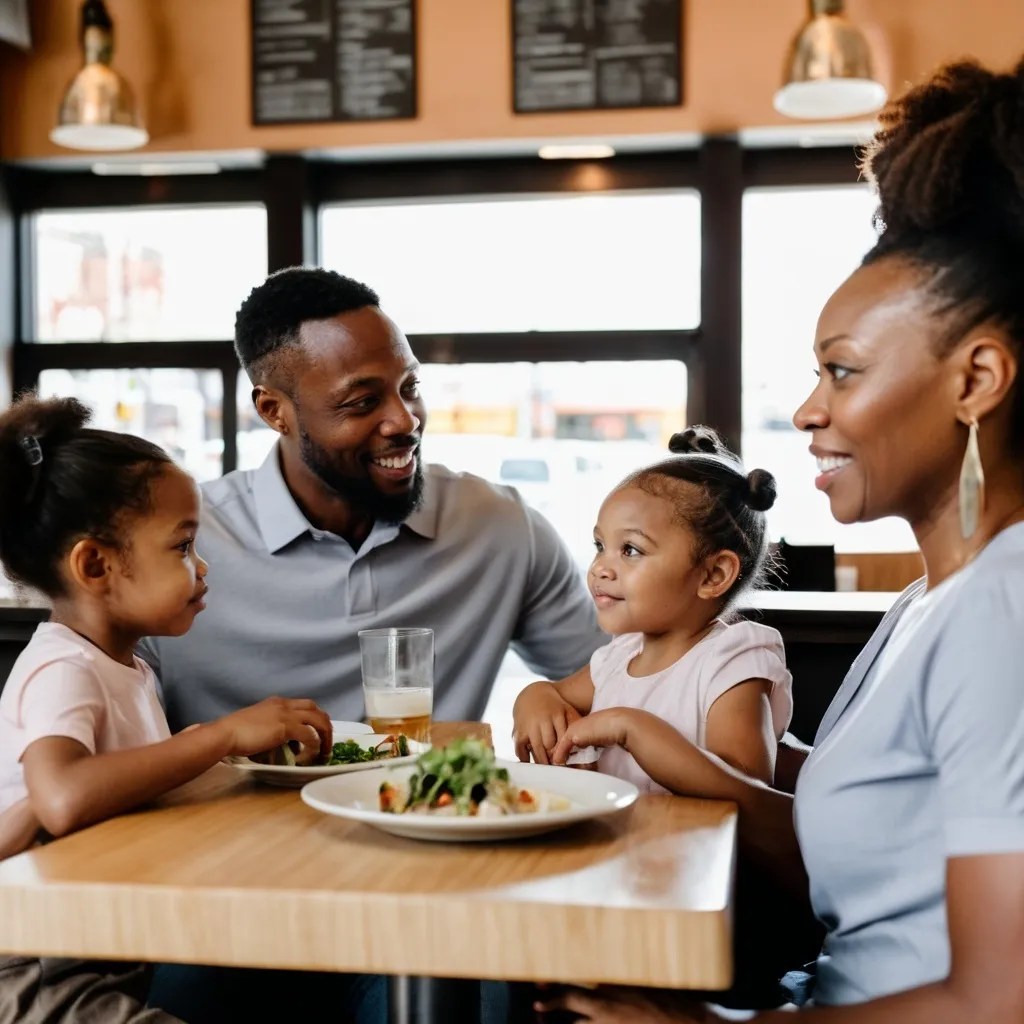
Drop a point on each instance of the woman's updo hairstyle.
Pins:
(60, 482)
(948, 166)
(725, 508)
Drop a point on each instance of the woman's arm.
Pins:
(766, 831)
(985, 905)
(543, 711)
(985, 899)
(70, 788)
(789, 762)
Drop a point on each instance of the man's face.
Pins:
(358, 413)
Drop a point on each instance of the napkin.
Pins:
(583, 755)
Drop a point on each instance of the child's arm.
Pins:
(766, 815)
(69, 788)
(741, 732)
(19, 828)
(543, 711)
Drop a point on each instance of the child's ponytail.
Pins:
(61, 481)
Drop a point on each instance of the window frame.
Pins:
(293, 189)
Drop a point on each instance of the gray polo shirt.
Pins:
(475, 564)
(920, 759)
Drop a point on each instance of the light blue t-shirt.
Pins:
(919, 759)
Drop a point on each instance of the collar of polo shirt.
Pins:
(281, 520)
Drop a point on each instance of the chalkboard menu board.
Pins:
(596, 54)
(333, 60)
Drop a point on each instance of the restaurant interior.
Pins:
(596, 222)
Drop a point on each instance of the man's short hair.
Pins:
(268, 321)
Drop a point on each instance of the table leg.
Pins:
(433, 1001)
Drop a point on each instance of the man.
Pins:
(345, 528)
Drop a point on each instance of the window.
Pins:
(562, 434)
(579, 263)
(180, 410)
(799, 245)
(144, 274)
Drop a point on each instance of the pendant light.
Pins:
(828, 70)
(98, 112)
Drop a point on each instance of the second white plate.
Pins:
(294, 776)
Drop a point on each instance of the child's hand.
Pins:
(608, 728)
(540, 719)
(275, 721)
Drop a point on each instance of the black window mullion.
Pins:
(782, 168)
(229, 418)
(369, 182)
(119, 355)
(33, 189)
(555, 346)
(719, 373)
(291, 217)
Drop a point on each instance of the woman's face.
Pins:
(883, 415)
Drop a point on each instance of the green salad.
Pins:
(350, 752)
(455, 779)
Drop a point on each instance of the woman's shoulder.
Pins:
(988, 594)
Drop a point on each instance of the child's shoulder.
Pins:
(741, 648)
(50, 644)
(615, 655)
(742, 634)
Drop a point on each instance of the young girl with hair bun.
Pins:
(676, 543)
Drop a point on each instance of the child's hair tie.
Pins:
(33, 450)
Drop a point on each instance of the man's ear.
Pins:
(273, 406)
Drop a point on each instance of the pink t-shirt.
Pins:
(683, 693)
(62, 685)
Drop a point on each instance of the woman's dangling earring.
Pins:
(972, 485)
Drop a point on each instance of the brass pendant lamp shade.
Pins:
(98, 112)
(828, 70)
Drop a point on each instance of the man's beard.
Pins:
(391, 509)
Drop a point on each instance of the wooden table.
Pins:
(229, 872)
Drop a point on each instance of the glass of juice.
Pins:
(398, 680)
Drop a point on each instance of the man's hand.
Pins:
(541, 718)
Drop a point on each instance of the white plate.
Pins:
(592, 796)
(293, 776)
(343, 730)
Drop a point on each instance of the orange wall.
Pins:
(189, 60)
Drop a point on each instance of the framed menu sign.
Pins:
(596, 54)
(333, 60)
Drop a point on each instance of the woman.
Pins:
(909, 814)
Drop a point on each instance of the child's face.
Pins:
(157, 585)
(643, 578)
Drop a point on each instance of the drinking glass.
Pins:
(398, 680)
